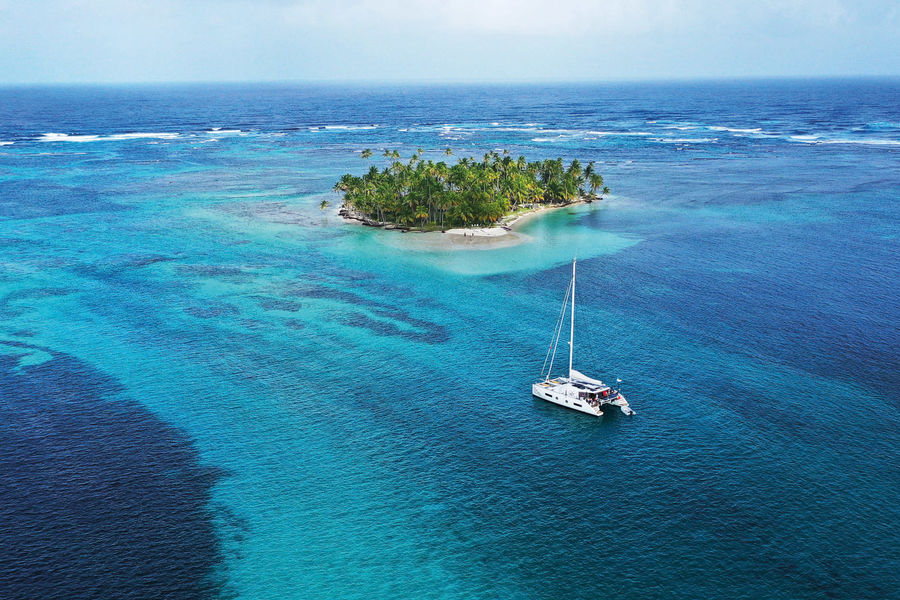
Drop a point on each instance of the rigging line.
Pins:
(559, 329)
(552, 337)
(555, 335)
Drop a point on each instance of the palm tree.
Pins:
(448, 151)
(595, 181)
(366, 153)
(424, 193)
(346, 183)
(323, 205)
(421, 213)
(575, 169)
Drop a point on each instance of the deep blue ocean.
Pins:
(210, 387)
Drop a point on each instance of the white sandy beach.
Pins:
(502, 235)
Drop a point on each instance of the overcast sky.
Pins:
(449, 40)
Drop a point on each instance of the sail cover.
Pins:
(583, 377)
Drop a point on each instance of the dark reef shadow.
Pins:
(98, 497)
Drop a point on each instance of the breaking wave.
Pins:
(616, 133)
(665, 140)
(65, 137)
(815, 139)
(735, 129)
(342, 127)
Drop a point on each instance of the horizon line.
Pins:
(451, 82)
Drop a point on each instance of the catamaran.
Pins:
(577, 391)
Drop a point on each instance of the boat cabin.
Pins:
(592, 392)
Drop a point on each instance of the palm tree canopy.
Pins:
(470, 192)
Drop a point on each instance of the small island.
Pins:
(429, 196)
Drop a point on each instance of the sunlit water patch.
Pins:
(544, 241)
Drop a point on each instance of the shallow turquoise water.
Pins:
(365, 402)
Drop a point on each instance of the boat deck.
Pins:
(587, 391)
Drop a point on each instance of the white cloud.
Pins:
(109, 40)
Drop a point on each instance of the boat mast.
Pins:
(572, 331)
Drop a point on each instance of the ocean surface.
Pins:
(210, 387)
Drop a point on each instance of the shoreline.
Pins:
(504, 234)
(504, 227)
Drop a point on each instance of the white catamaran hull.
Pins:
(577, 391)
(557, 396)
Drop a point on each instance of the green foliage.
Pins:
(424, 193)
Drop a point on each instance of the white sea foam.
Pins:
(818, 139)
(218, 133)
(471, 129)
(619, 133)
(872, 142)
(543, 139)
(350, 127)
(138, 136)
(734, 129)
(685, 140)
(6, 143)
(759, 134)
(453, 133)
(65, 137)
